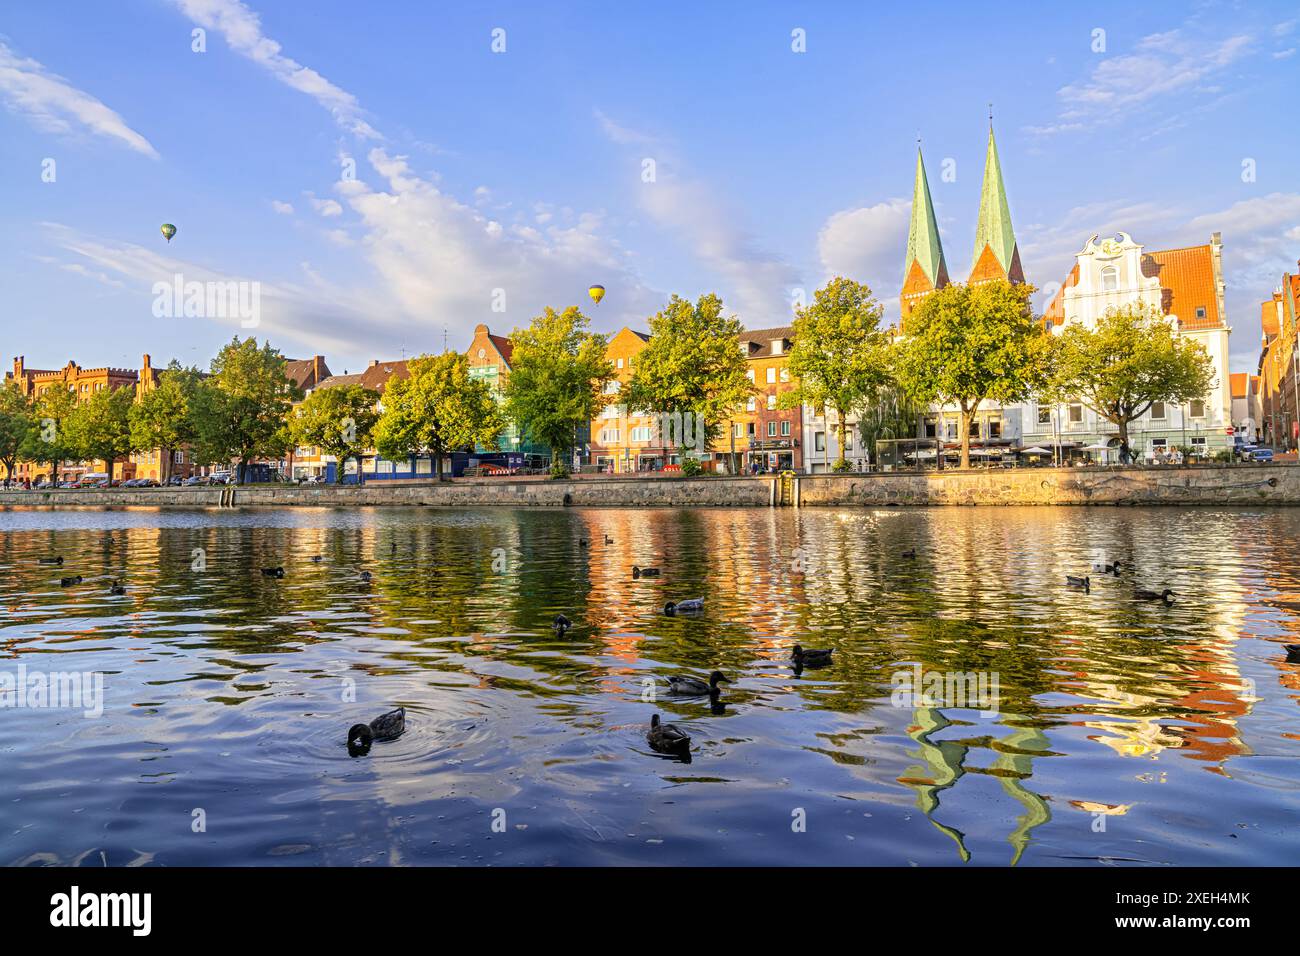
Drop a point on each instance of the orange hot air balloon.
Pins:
(597, 292)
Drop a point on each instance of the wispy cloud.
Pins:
(56, 105)
(716, 231)
(242, 30)
(1176, 61)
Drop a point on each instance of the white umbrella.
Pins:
(1097, 447)
(1036, 450)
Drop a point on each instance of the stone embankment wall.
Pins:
(1191, 485)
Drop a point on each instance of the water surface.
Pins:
(1126, 732)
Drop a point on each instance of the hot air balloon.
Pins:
(597, 292)
(168, 230)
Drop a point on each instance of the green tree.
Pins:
(100, 427)
(437, 410)
(1131, 359)
(241, 411)
(558, 372)
(970, 344)
(339, 420)
(16, 425)
(894, 414)
(163, 416)
(693, 365)
(49, 441)
(839, 356)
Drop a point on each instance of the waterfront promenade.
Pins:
(1185, 485)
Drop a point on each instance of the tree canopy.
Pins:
(162, 416)
(693, 364)
(16, 425)
(438, 409)
(558, 372)
(839, 359)
(1131, 359)
(100, 426)
(969, 344)
(339, 420)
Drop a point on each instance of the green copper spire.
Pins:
(923, 236)
(994, 229)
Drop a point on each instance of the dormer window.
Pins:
(1200, 311)
(777, 346)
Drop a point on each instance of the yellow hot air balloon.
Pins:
(597, 292)
(168, 230)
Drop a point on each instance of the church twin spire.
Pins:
(996, 253)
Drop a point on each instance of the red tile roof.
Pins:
(1187, 278)
(504, 346)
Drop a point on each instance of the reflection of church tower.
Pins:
(924, 271)
(996, 254)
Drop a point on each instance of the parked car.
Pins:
(1261, 455)
(175, 481)
(195, 480)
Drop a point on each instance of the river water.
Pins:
(1065, 728)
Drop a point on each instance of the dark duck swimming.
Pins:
(667, 738)
(694, 687)
(1081, 583)
(689, 606)
(810, 657)
(644, 572)
(387, 726)
(273, 572)
(1166, 596)
(69, 582)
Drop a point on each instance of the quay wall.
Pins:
(1189, 485)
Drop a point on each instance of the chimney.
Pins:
(374, 362)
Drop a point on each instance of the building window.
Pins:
(848, 439)
(974, 428)
(1197, 407)
(738, 430)
(750, 375)
(619, 363)
(1044, 415)
(1076, 414)
(819, 441)
(749, 429)
(995, 428)
(1200, 311)
(771, 401)
(1109, 279)
(778, 346)
(1198, 443)
(609, 436)
(750, 405)
(611, 387)
(771, 429)
(785, 375)
(785, 428)
(771, 376)
(1158, 410)
(931, 428)
(641, 433)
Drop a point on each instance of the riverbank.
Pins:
(1187, 485)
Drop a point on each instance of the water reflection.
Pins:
(1123, 730)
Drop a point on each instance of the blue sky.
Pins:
(488, 185)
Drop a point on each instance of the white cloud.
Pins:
(326, 207)
(283, 208)
(868, 244)
(242, 29)
(58, 106)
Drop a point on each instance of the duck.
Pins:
(608, 539)
(1292, 652)
(1105, 568)
(68, 582)
(117, 588)
(57, 559)
(582, 542)
(1074, 581)
(811, 657)
(316, 559)
(644, 572)
(1144, 595)
(561, 624)
(387, 726)
(365, 575)
(910, 553)
(694, 687)
(689, 606)
(667, 738)
(273, 572)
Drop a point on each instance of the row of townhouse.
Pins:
(1278, 396)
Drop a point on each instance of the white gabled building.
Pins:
(1184, 284)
